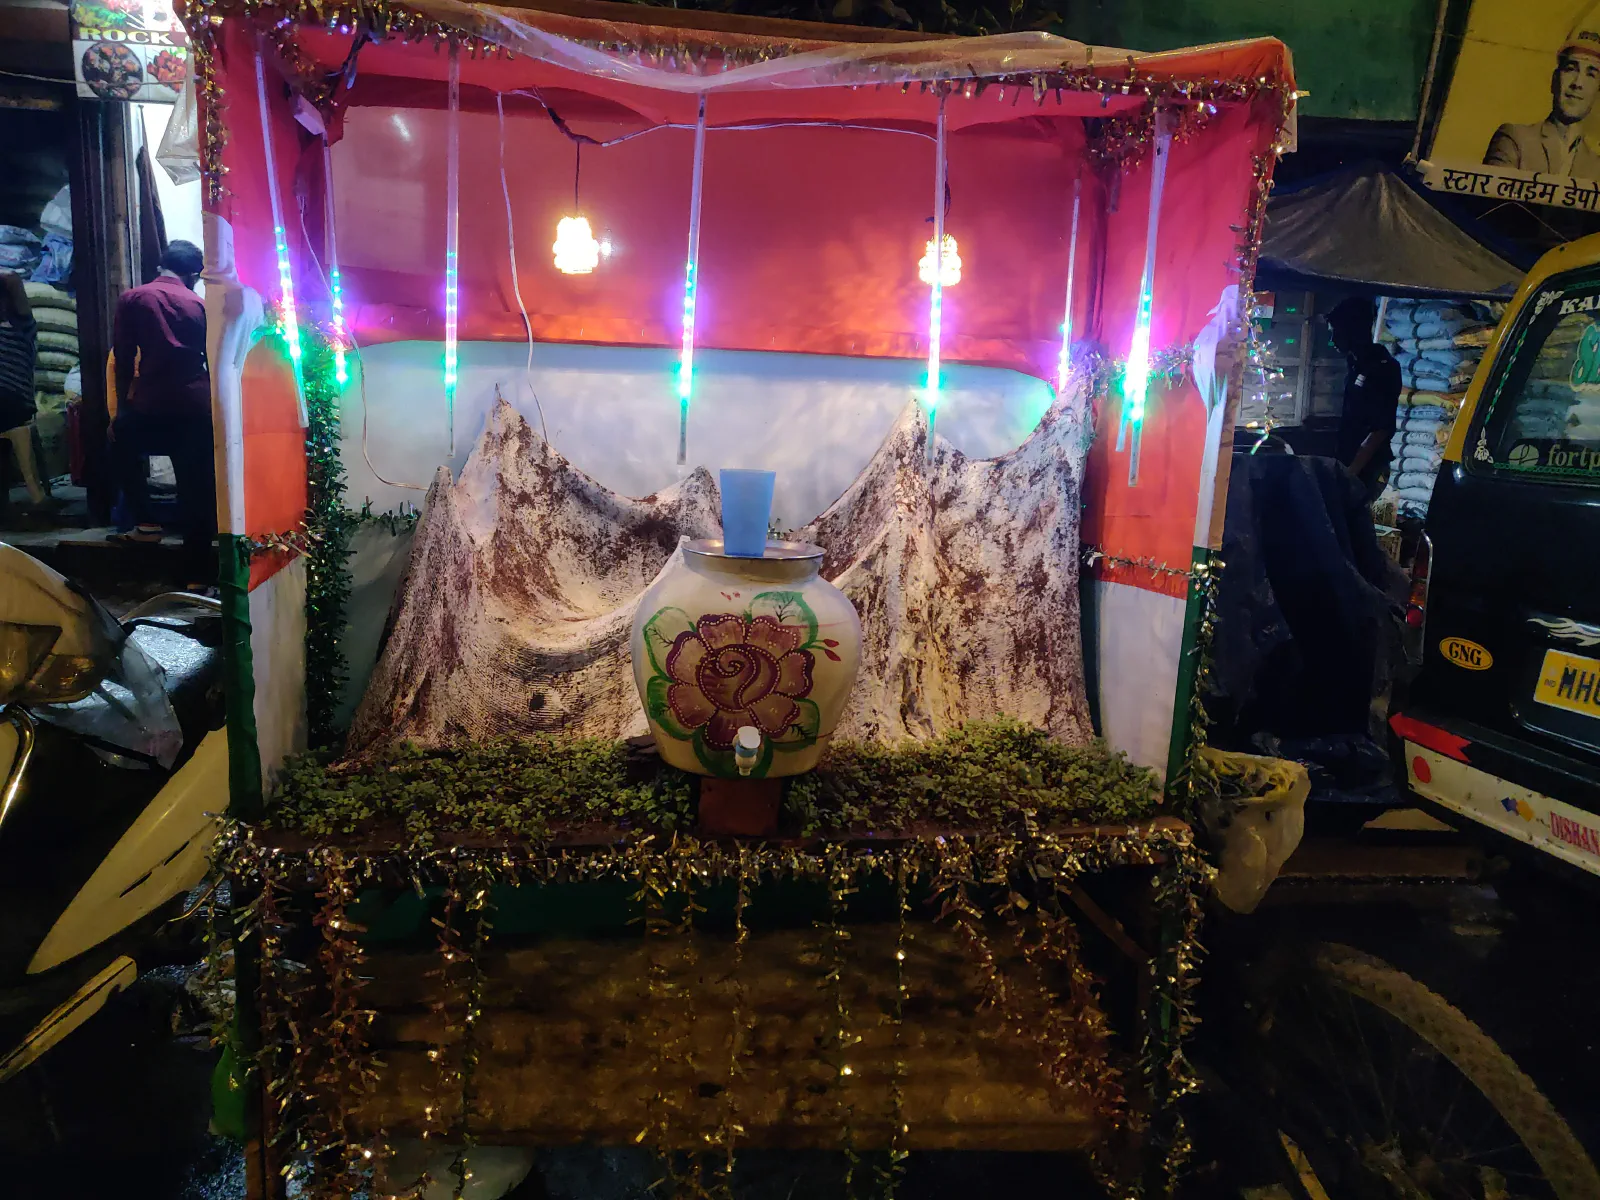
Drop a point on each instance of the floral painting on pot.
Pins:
(744, 664)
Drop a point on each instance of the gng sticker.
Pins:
(1464, 653)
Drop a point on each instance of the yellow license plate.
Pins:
(1569, 681)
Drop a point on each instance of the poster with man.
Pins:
(1520, 121)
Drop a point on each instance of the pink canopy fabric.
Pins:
(818, 194)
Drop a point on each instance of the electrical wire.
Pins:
(584, 139)
(516, 284)
(516, 287)
(361, 365)
(37, 78)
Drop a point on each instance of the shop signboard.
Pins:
(128, 50)
(1522, 117)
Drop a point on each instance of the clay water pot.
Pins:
(744, 664)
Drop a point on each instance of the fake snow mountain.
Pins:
(524, 574)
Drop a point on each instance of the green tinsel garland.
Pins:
(327, 554)
(323, 538)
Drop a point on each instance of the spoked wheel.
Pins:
(1387, 1091)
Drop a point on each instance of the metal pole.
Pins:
(1427, 80)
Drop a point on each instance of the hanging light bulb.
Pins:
(577, 252)
(949, 266)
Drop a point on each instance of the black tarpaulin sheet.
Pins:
(1365, 228)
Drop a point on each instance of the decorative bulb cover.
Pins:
(577, 252)
(950, 265)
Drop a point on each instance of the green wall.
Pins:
(1357, 58)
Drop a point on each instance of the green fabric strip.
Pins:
(1179, 747)
(239, 682)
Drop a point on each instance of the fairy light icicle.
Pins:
(280, 239)
(341, 337)
(933, 383)
(691, 285)
(452, 205)
(1136, 382)
(1065, 364)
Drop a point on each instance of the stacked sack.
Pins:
(1551, 408)
(1438, 345)
(56, 315)
(21, 250)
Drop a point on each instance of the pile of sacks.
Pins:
(1438, 345)
(56, 316)
(1550, 407)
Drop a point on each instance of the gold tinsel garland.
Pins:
(317, 1064)
(1118, 141)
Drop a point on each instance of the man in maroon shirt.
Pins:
(164, 401)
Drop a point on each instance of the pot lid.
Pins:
(776, 550)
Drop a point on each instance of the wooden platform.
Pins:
(576, 1040)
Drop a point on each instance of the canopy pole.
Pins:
(280, 239)
(934, 382)
(452, 241)
(1427, 80)
(691, 281)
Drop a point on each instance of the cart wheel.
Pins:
(1385, 1090)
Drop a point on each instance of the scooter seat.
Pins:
(189, 653)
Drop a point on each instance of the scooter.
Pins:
(115, 764)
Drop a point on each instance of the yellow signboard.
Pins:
(1522, 117)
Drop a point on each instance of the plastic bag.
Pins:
(55, 265)
(16, 235)
(14, 256)
(179, 152)
(1255, 821)
(57, 215)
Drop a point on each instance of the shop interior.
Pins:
(86, 209)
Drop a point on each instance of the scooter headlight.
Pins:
(31, 674)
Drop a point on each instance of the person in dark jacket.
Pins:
(19, 335)
(163, 399)
(1371, 395)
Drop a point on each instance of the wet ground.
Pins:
(121, 1108)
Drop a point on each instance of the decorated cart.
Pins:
(555, 820)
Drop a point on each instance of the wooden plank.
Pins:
(575, 1040)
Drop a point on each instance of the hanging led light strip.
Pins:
(341, 338)
(933, 384)
(691, 283)
(1065, 364)
(291, 314)
(1136, 380)
(452, 239)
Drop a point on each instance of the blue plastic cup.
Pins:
(746, 511)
